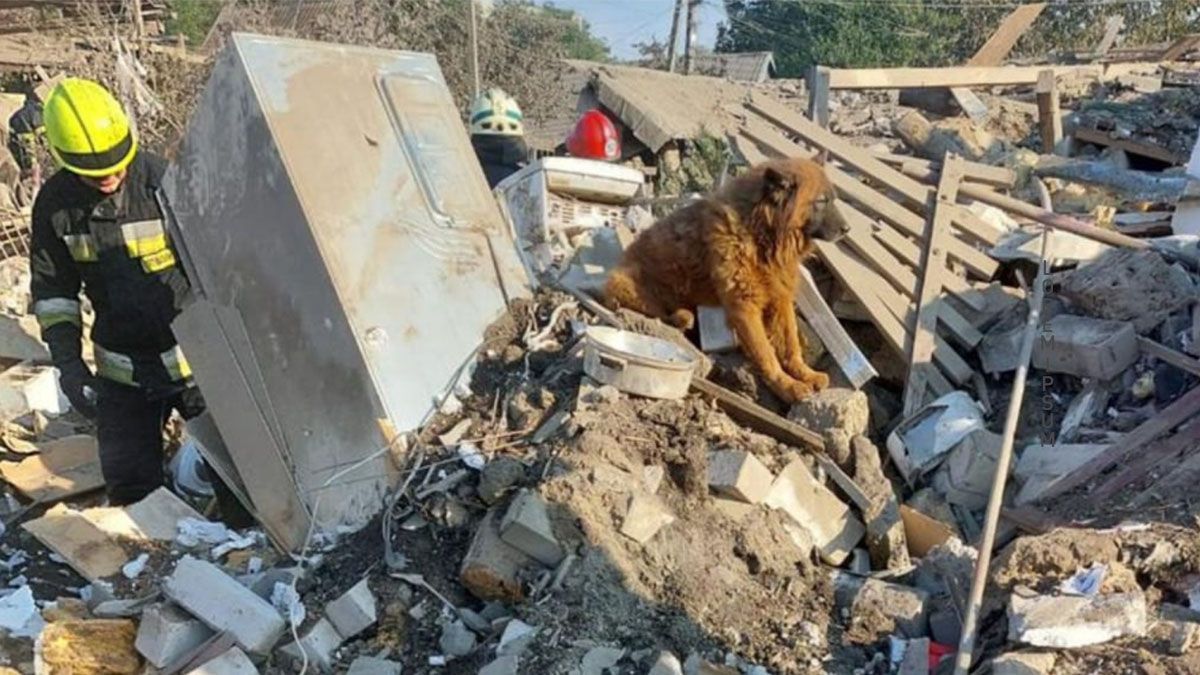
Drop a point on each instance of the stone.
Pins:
(223, 604)
(1024, 663)
(835, 407)
(666, 664)
(598, 659)
(319, 643)
(834, 529)
(369, 665)
(526, 527)
(740, 475)
(66, 609)
(1085, 347)
(89, 646)
(652, 477)
(505, 665)
(516, 638)
(965, 477)
(456, 639)
(1128, 285)
(233, 662)
(498, 477)
(1068, 621)
(646, 515)
(167, 633)
(491, 567)
(353, 612)
(886, 541)
(878, 609)
(1185, 637)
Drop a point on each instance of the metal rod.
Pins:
(962, 661)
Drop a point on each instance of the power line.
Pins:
(970, 4)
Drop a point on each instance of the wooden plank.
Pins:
(957, 76)
(1128, 145)
(1180, 47)
(908, 251)
(927, 170)
(994, 51)
(852, 362)
(1049, 112)
(1112, 28)
(846, 483)
(1168, 355)
(1141, 466)
(871, 200)
(818, 95)
(758, 418)
(944, 355)
(1183, 409)
(87, 549)
(915, 193)
(63, 468)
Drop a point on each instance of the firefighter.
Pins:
(25, 128)
(97, 228)
(498, 135)
(594, 137)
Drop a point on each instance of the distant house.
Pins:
(742, 67)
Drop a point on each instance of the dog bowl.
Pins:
(637, 364)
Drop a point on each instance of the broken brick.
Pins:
(1085, 347)
(223, 604)
(834, 529)
(491, 566)
(353, 612)
(167, 633)
(526, 526)
(647, 515)
(739, 474)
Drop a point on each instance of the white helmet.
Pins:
(495, 113)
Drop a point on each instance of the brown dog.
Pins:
(740, 247)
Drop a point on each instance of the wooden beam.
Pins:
(1112, 28)
(1168, 355)
(933, 268)
(1182, 410)
(957, 76)
(928, 171)
(914, 193)
(852, 362)
(1145, 462)
(1128, 145)
(758, 418)
(818, 95)
(1049, 112)
(994, 51)
(1180, 47)
(871, 200)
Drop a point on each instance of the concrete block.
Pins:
(318, 644)
(490, 567)
(877, 609)
(1069, 621)
(1085, 347)
(1126, 285)
(739, 474)
(715, 334)
(965, 477)
(369, 665)
(224, 605)
(353, 612)
(647, 515)
(1041, 466)
(1024, 663)
(232, 662)
(456, 640)
(167, 633)
(834, 529)
(526, 526)
(835, 407)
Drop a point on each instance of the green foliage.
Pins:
(193, 18)
(930, 32)
(701, 161)
(577, 35)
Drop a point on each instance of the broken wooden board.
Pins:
(63, 468)
(1178, 49)
(994, 51)
(852, 362)
(916, 194)
(758, 418)
(153, 518)
(1049, 112)
(1133, 147)
(1167, 355)
(922, 532)
(1183, 409)
(1138, 468)
(1112, 28)
(954, 76)
(933, 268)
(928, 170)
(87, 549)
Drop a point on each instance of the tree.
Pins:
(577, 35)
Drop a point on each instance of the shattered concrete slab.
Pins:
(220, 601)
(834, 529)
(1068, 621)
(1041, 466)
(232, 662)
(1024, 663)
(1085, 347)
(740, 475)
(1127, 285)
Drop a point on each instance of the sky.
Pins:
(623, 22)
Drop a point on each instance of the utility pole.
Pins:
(474, 34)
(674, 36)
(692, 16)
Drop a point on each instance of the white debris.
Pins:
(1085, 582)
(193, 532)
(18, 559)
(254, 565)
(134, 567)
(471, 456)
(1194, 597)
(285, 599)
(516, 637)
(19, 614)
(236, 542)
(18, 581)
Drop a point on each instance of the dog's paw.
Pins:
(683, 319)
(818, 380)
(792, 391)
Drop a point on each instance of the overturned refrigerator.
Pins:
(345, 255)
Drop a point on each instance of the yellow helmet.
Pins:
(87, 129)
(495, 113)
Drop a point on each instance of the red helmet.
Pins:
(595, 137)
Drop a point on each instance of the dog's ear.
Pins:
(777, 187)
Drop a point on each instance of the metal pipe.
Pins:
(966, 645)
